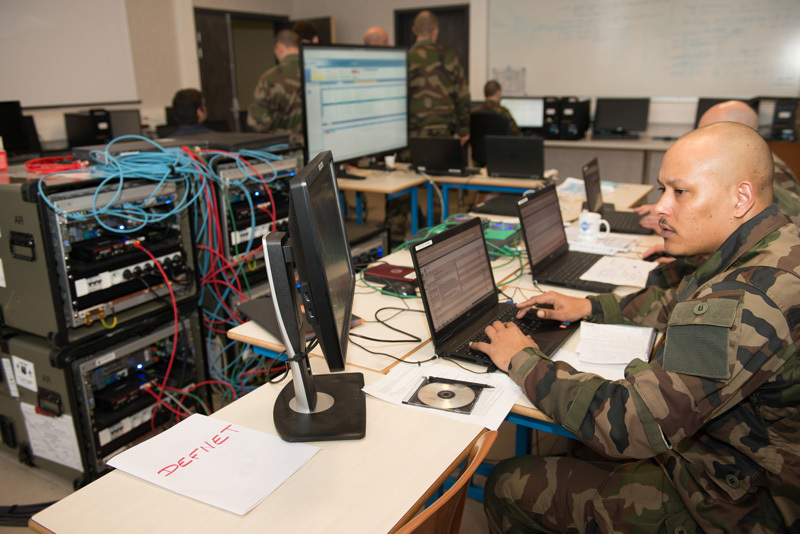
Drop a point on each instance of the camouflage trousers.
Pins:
(565, 494)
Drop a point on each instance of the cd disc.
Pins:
(445, 396)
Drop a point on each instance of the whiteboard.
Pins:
(648, 48)
(60, 53)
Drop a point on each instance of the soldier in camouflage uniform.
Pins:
(277, 105)
(493, 92)
(438, 99)
(706, 436)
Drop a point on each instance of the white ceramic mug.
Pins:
(389, 160)
(589, 226)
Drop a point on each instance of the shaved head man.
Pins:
(376, 36)
(700, 437)
(705, 199)
(732, 110)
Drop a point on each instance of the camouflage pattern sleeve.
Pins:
(460, 95)
(784, 177)
(717, 407)
(277, 105)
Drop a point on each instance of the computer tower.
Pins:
(70, 409)
(88, 127)
(69, 275)
(783, 120)
(552, 117)
(574, 118)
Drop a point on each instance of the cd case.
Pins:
(445, 394)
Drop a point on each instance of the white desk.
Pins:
(368, 486)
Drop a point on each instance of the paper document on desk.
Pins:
(493, 403)
(575, 186)
(225, 465)
(614, 343)
(606, 245)
(620, 271)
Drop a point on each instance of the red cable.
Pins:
(54, 164)
(174, 315)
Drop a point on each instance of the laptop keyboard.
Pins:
(624, 221)
(528, 324)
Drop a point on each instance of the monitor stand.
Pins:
(309, 408)
(615, 134)
(340, 412)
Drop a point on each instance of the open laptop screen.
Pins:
(455, 275)
(591, 181)
(540, 217)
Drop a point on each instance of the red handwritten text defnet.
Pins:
(207, 447)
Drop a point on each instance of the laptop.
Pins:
(549, 256)
(514, 157)
(460, 297)
(626, 222)
(439, 156)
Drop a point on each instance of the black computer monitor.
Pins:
(355, 100)
(310, 269)
(621, 115)
(528, 112)
(125, 122)
(12, 127)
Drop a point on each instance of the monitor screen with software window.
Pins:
(355, 100)
(528, 112)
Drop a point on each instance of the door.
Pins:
(233, 50)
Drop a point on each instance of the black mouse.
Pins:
(655, 256)
(401, 288)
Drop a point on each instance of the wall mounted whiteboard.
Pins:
(61, 53)
(658, 48)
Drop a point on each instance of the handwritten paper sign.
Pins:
(225, 465)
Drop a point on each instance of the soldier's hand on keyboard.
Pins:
(506, 339)
(556, 306)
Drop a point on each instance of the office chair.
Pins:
(445, 514)
(481, 124)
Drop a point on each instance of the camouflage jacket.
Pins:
(784, 177)
(717, 406)
(438, 97)
(491, 105)
(277, 104)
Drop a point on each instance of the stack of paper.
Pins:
(613, 344)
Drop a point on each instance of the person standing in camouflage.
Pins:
(493, 92)
(277, 105)
(438, 97)
(704, 437)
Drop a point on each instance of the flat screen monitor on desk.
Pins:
(355, 100)
(310, 271)
(528, 112)
(620, 118)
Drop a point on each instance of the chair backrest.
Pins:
(481, 124)
(444, 515)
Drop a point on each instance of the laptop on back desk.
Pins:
(514, 157)
(439, 156)
(550, 259)
(626, 222)
(460, 297)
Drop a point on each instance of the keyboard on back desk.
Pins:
(528, 325)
